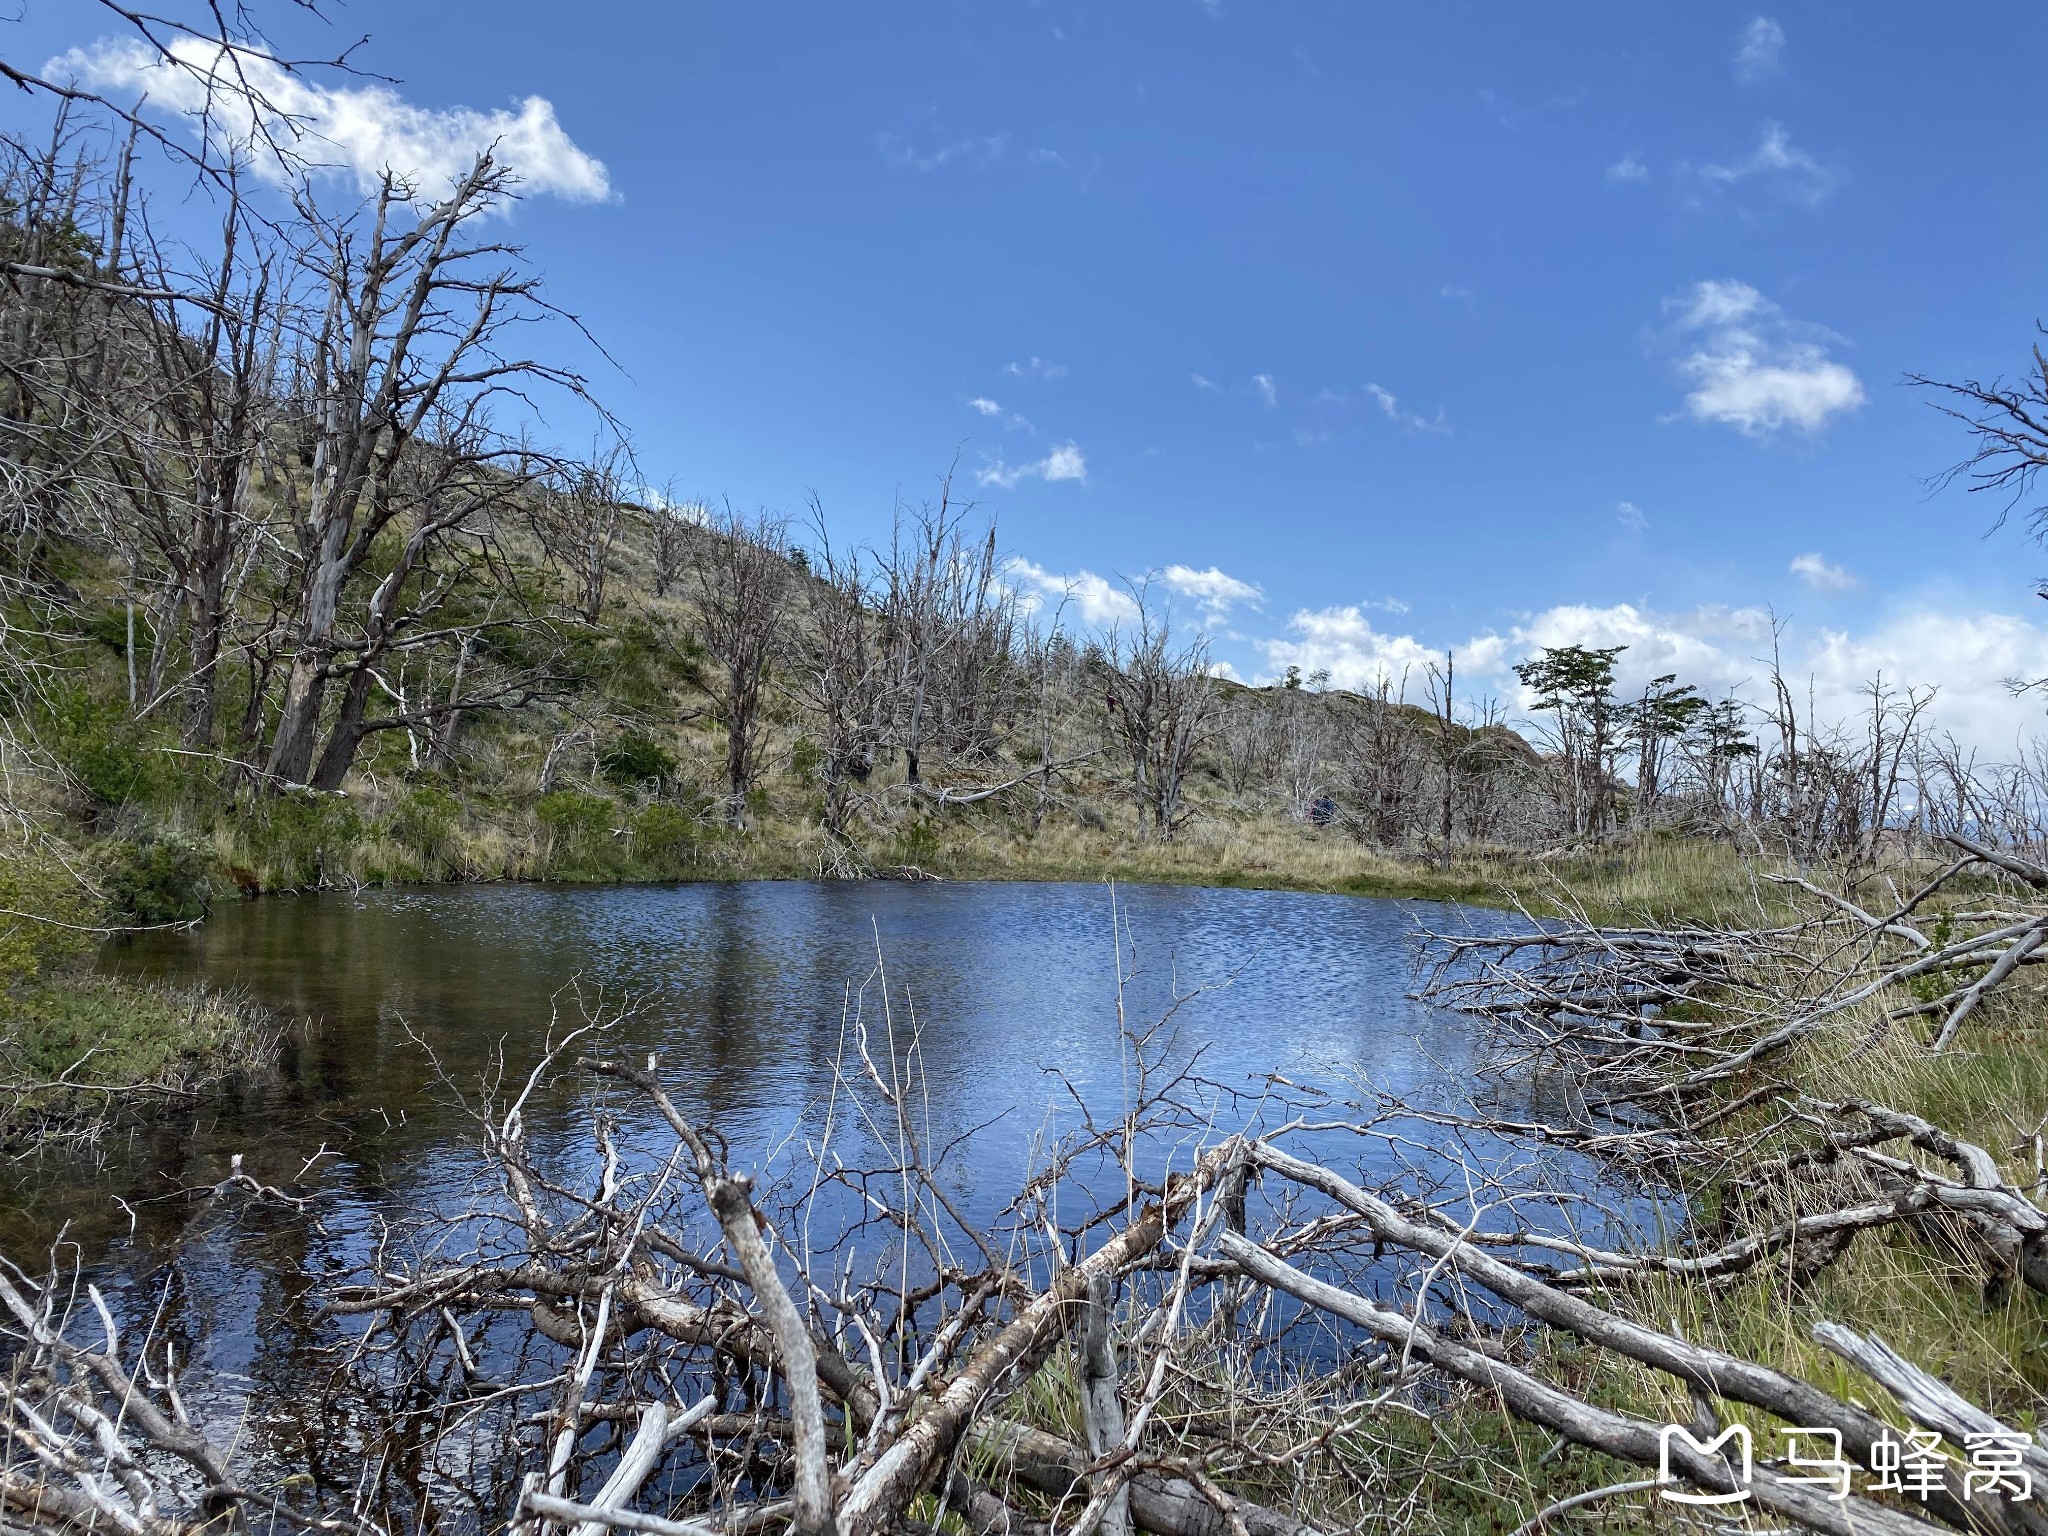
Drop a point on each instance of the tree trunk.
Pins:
(346, 734)
(298, 726)
(203, 687)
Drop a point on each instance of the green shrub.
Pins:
(581, 845)
(109, 626)
(299, 835)
(425, 821)
(105, 751)
(634, 760)
(46, 913)
(665, 833)
(576, 817)
(804, 757)
(159, 880)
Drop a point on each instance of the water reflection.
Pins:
(1013, 992)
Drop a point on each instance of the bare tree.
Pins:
(577, 512)
(395, 381)
(1384, 764)
(1161, 706)
(841, 675)
(671, 531)
(741, 580)
(948, 624)
(185, 454)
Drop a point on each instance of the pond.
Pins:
(1020, 999)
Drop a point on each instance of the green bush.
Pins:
(665, 833)
(634, 760)
(576, 817)
(159, 880)
(299, 835)
(804, 757)
(581, 845)
(105, 751)
(109, 626)
(46, 913)
(425, 821)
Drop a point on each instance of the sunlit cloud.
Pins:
(1066, 462)
(899, 151)
(1753, 368)
(1776, 160)
(1391, 407)
(1216, 591)
(1813, 569)
(359, 131)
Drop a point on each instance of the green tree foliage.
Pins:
(1575, 685)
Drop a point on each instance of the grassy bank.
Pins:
(1921, 1285)
(201, 850)
(78, 1050)
(76, 1047)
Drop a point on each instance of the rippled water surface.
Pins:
(404, 1001)
(744, 989)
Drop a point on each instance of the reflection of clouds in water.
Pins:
(744, 988)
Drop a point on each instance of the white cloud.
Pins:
(1035, 368)
(1263, 383)
(1101, 602)
(1790, 169)
(1631, 516)
(1754, 369)
(1358, 657)
(1216, 590)
(359, 131)
(1390, 405)
(1066, 462)
(1815, 571)
(1761, 53)
(1627, 169)
(993, 410)
(1201, 382)
(975, 152)
(1969, 657)
(1098, 601)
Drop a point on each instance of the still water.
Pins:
(745, 989)
(1018, 994)
(1020, 999)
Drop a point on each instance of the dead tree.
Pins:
(577, 512)
(1160, 707)
(840, 676)
(948, 624)
(185, 454)
(671, 535)
(1384, 766)
(741, 580)
(396, 374)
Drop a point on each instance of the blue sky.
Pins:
(1385, 328)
